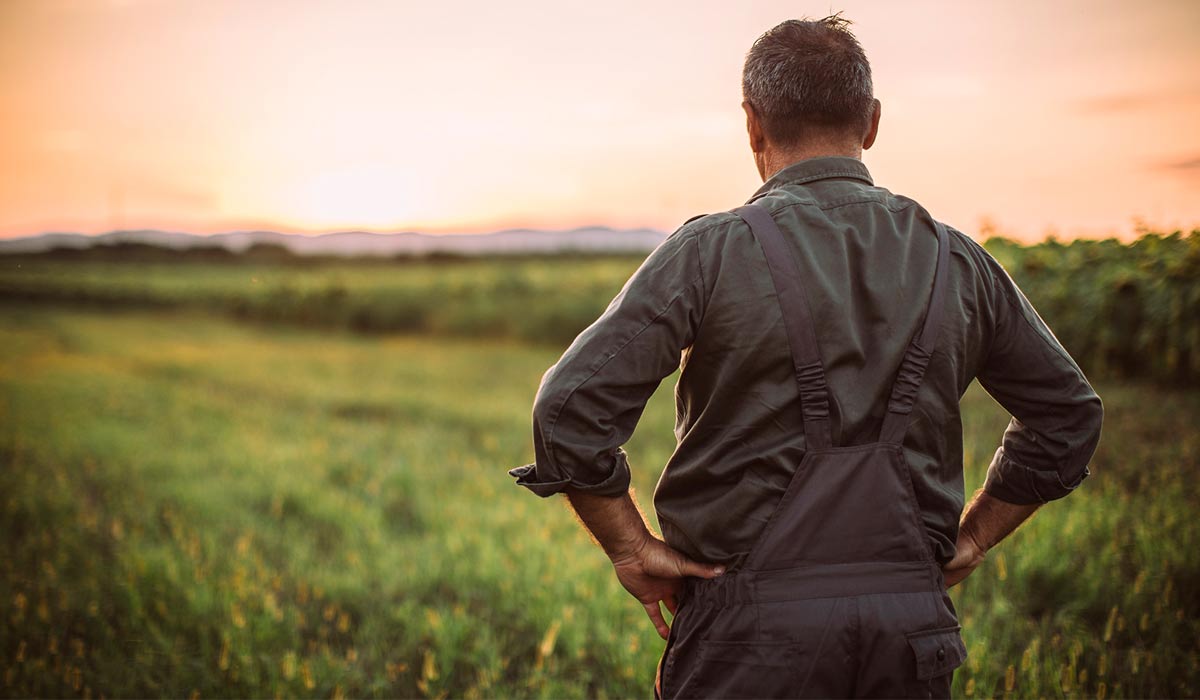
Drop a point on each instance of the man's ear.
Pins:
(869, 139)
(758, 140)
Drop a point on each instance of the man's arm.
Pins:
(590, 401)
(589, 404)
(1056, 415)
(651, 571)
(1055, 426)
(986, 521)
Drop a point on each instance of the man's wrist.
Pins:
(980, 545)
(630, 548)
(614, 521)
(988, 520)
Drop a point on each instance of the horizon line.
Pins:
(333, 232)
(985, 229)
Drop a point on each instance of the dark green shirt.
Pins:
(704, 300)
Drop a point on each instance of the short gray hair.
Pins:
(806, 74)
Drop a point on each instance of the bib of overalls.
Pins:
(840, 596)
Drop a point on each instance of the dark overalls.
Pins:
(840, 596)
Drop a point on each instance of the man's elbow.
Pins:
(545, 476)
(1092, 421)
(1089, 424)
(544, 408)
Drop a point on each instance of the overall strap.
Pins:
(798, 323)
(916, 359)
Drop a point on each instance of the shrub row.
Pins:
(1121, 309)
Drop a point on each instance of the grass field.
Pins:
(535, 299)
(1147, 291)
(195, 506)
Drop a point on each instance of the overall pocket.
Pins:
(937, 652)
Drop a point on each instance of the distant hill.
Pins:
(360, 243)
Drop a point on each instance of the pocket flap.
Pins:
(938, 652)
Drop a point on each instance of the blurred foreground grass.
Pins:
(190, 505)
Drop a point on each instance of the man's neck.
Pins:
(772, 160)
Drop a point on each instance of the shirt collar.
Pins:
(813, 169)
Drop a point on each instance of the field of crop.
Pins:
(547, 300)
(1147, 291)
(195, 506)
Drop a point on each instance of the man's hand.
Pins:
(646, 566)
(967, 556)
(654, 573)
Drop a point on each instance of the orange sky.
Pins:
(313, 115)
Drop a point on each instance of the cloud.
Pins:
(1189, 165)
(1133, 101)
(1114, 103)
(1186, 165)
(1185, 170)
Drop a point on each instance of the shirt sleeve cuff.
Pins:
(614, 484)
(1013, 483)
(527, 476)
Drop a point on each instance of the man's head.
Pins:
(807, 91)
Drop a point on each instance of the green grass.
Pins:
(546, 300)
(193, 505)
(1146, 291)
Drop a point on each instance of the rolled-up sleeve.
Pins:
(1056, 415)
(589, 402)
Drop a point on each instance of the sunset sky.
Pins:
(304, 115)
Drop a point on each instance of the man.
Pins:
(810, 512)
